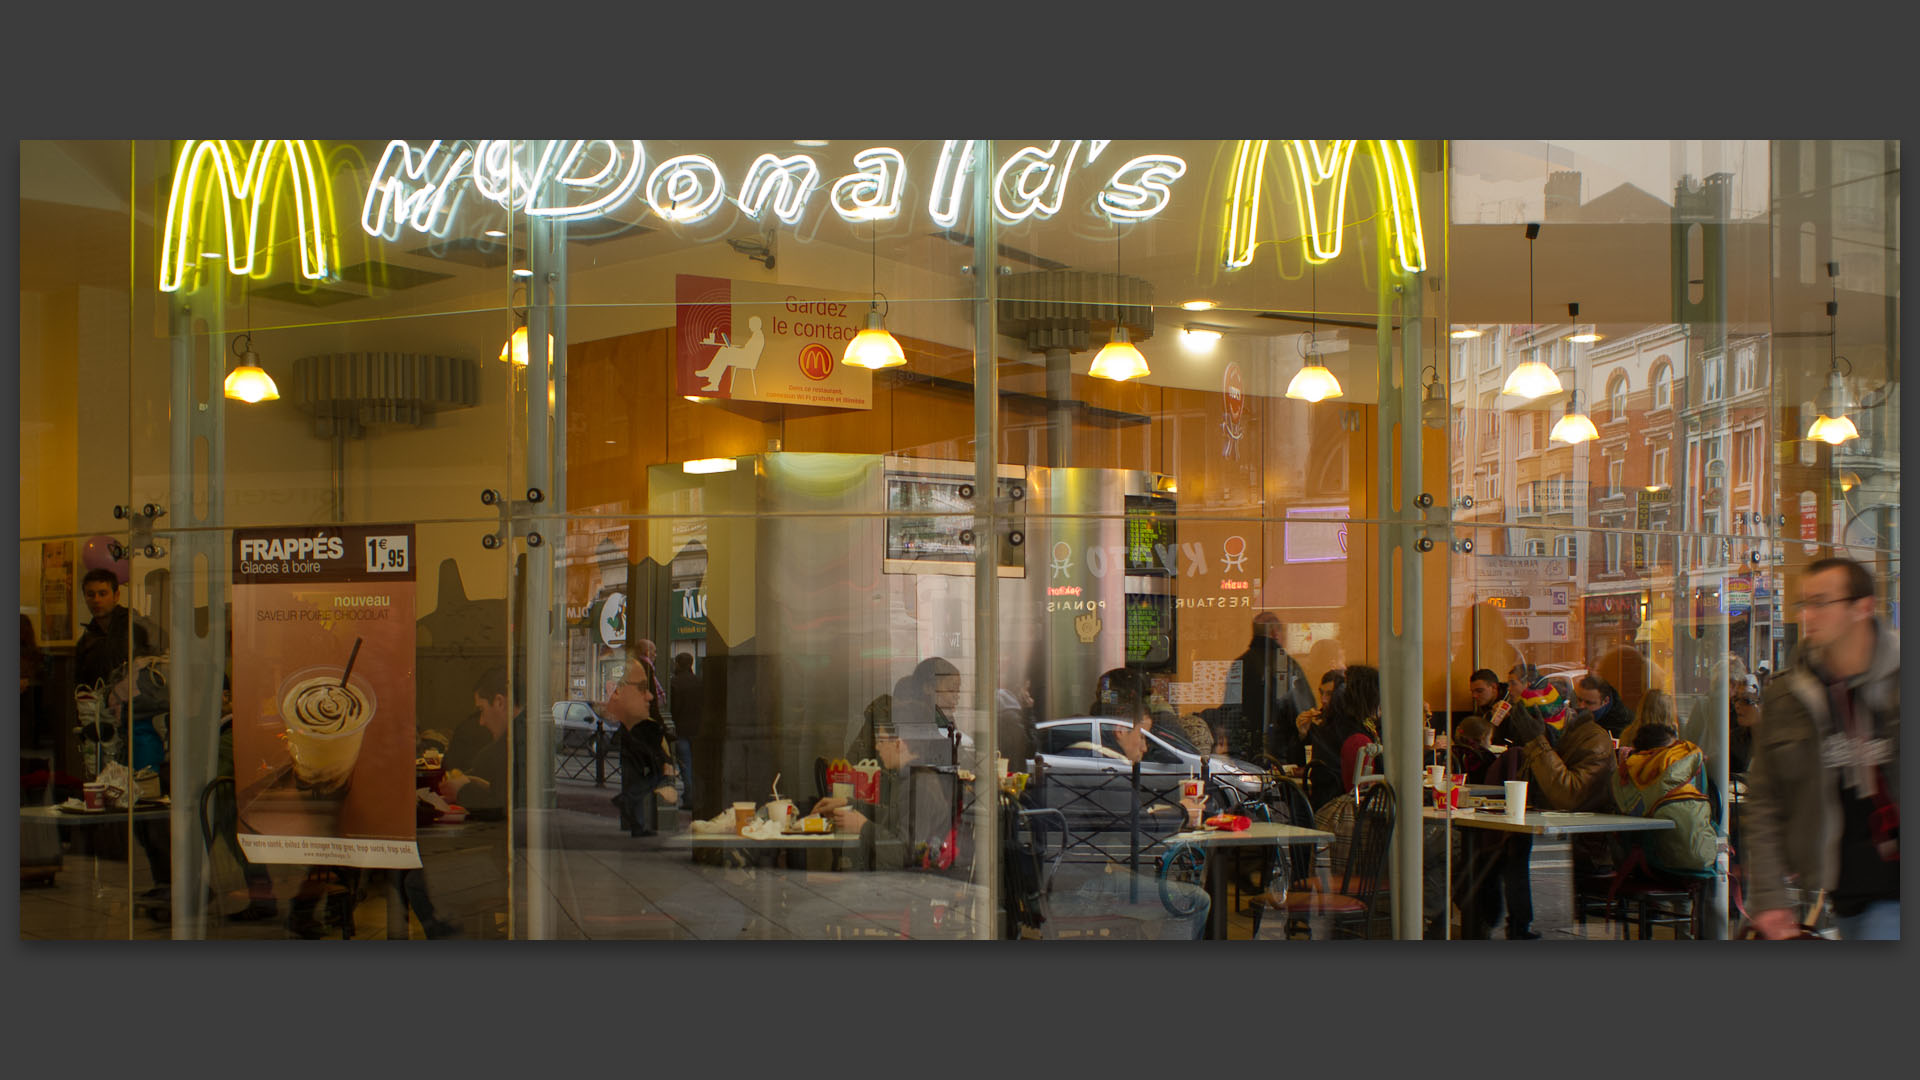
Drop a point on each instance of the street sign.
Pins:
(1541, 627)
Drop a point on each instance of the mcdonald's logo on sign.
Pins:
(1320, 170)
(212, 172)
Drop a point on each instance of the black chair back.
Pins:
(1295, 809)
(1372, 834)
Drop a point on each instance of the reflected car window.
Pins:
(1069, 740)
(1157, 753)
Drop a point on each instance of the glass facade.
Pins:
(579, 583)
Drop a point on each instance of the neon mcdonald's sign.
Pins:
(210, 172)
(421, 188)
(1320, 179)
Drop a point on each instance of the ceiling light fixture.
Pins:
(1313, 382)
(709, 465)
(1433, 401)
(1465, 332)
(1118, 360)
(1832, 426)
(249, 382)
(1579, 336)
(495, 234)
(515, 350)
(873, 348)
(1532, 379)
(1198, 305)
(1199, 338)
(1575, 426)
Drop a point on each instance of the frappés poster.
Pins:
(323, 685)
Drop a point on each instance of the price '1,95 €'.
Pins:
(388, 555)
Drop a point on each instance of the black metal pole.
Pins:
(599, 755)
(1133, 840)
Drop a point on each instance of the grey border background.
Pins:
(1199, 70)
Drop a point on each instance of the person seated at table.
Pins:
(476, 773)
(1595, 695)
(1485, 689)
(1656, 707)
(1503, 862)
(1659, 777)
(1570, 773)
(1470, 754)
(1348, 722)
(885, 843)
(1330, 684)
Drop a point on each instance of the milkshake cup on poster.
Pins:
(326, 723)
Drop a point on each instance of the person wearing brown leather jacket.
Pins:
(1575, 774)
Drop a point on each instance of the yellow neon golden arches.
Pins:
(210, 171)
(1320, 179)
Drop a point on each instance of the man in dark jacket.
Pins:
(110, 640)
(112, 636)
(1266, 691)
(644, 758)
(1595, 695)
(688, 702)
(477, 776)
(1823, 793)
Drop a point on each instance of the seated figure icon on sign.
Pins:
(739, 358)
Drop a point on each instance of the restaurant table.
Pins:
(54, 814)
(1547, 822)
(793, 845)
(1550, 823)
(44, 816)
(1259, 833)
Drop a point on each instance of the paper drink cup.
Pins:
(1516, 800)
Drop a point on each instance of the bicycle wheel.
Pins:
(1184, 865)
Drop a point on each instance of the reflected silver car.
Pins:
(1088, 777)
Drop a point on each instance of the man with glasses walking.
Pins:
(1823, 791)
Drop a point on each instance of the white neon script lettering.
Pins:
(1139, 189)
(873, 193)
(1032, 182)
(788, 181)
(618, 177)
(410, 190)
(499, 175)
(248, 186)
(421, 188)
(950, 181)
(685, 188)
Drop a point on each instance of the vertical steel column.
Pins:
(1059, 407)
(986, 547)
(1705, 331)
(536, 621)
(1401, 653)
(195, 663)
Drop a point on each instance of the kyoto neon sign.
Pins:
(422, 188)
